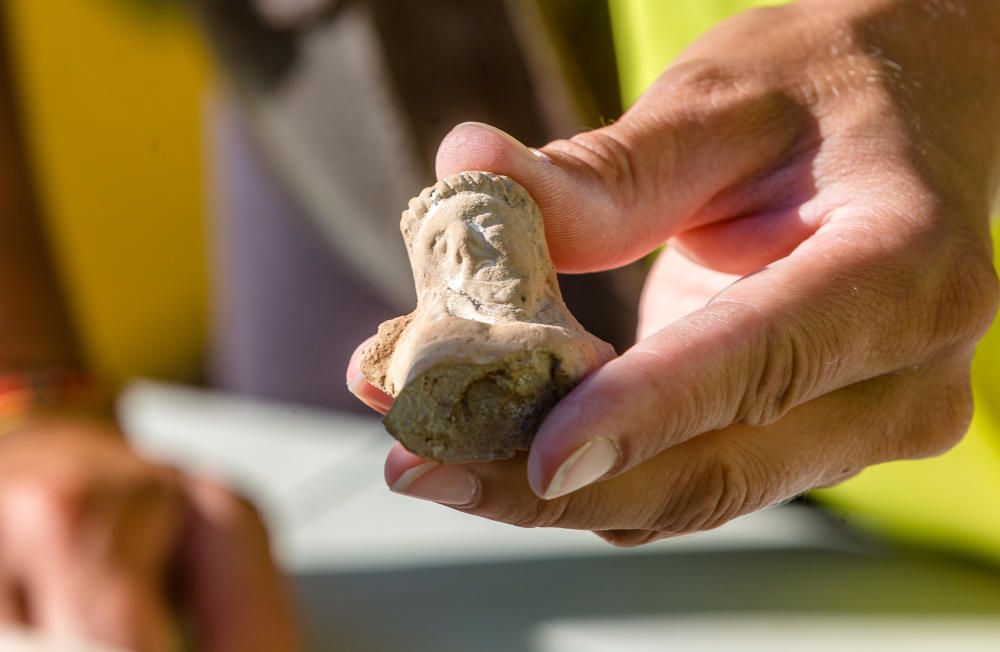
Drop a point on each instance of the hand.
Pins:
(822, 174)
(97, 544)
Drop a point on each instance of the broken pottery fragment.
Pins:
(491, 346)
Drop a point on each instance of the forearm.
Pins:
(35, 330)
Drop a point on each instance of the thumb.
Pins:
(612, 195)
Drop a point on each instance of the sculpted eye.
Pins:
(439, 243)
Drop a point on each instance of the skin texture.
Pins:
(824, 193)
(96, 543)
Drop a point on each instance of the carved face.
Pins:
(482, 251)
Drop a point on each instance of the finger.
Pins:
(611, 195)
(720, 475)
(367, 393)
(843, 308)
(237, 595)
(408, 474)
(676, 287)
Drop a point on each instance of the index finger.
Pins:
(845, 307)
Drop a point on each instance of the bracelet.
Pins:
(24, 395)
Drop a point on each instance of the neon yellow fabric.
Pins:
(650, 33)
(111, 91)
(949, 501)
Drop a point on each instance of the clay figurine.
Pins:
(491, 346)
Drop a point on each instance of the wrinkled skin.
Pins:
(823, 174)
(100, 545)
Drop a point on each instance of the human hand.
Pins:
(823, 175)
(100, 545)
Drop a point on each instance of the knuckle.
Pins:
(720, 95)
(951, 266)
(779, 371)
(941, 424)
(538, 513)
(705, 82)
(710, 494)
(610, 158)
(621, 170)
(969, 297)
(782, 367)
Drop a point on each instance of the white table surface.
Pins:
(379, 572)
(774, 633)
(318, 477)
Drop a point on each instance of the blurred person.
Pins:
(841, 153)
(97, 543)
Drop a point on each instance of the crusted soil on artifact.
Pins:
(478, 412)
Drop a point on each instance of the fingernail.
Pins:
(539, 154)
(449, 485)
(586, 465)
(371, 399)
(533, 153)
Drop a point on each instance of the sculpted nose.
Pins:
(465, 241)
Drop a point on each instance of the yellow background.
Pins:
(111, 93)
